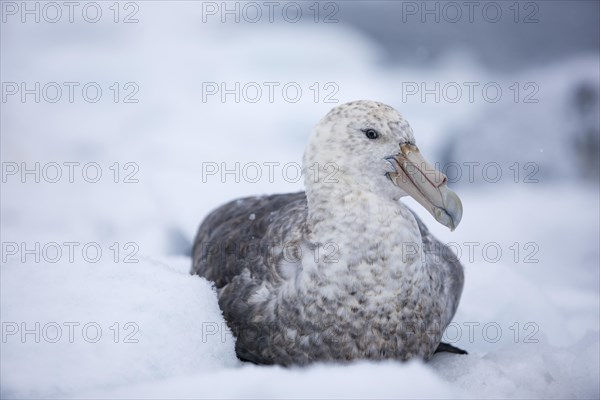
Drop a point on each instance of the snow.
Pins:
(531, 328)
(129, 323)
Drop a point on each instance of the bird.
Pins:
(344, 270)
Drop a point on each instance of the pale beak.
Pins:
(426, 185)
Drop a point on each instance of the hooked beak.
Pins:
(426, 185)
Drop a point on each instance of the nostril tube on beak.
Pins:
(444, 180)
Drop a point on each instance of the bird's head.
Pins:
(369, 146)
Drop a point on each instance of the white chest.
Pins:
(365, 244)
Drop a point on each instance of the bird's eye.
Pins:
(371, 133)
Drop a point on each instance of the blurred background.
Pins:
(177, 103)
(182, 83)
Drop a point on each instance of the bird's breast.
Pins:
(360, 288)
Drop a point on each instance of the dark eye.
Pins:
(371, 133)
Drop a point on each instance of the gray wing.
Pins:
(246, 234)
(441, 257)
(238, 247)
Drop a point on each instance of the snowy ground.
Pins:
(131, 323)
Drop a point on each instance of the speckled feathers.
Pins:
(339, 272)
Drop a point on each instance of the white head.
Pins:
(368, 146)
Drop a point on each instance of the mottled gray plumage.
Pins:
(344, 274)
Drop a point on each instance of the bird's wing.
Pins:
(248, 234)
(239, 247)
(439, 256)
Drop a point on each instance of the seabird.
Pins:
(344, 270)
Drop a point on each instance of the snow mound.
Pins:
(106, 325)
